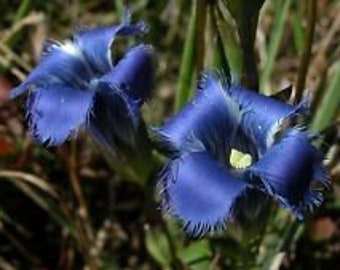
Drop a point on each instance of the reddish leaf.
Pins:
(5, 147)
(5, 87)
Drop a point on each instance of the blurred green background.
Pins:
(75, 207)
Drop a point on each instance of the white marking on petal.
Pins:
(70, 48)
(271, 133)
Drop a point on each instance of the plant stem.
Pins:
(306, 54)
(201, 11)
(247, 32)
(86, 232)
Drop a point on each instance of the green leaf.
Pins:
(158, 247)
(108, 262)
(298, 31)
(187, 69)
(330, 103)
(281, 13)
(231, 48)
(197, 255)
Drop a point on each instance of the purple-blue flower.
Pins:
(198, 184)
(76, 84)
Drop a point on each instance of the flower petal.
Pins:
(200, 192)
(115, 117)
(134, 73)
(262, 116)
(289, 169)
(63, 64)
(75, 62)
(211, 117)
(96, 43)
(54, 113)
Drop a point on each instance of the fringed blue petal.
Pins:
(211, 118)
(54, 113)
(62, 64)
(75, 62)
(114, 117)
(134, 74)
(200, 192)
(289, 170)
(96, 43)
(262, 116)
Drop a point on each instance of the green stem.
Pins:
(201, 11)
(247, 31)
(306, 55)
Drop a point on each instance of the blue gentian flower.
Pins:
(198, 184)
(76, 84)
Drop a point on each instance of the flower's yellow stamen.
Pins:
(239, 160)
